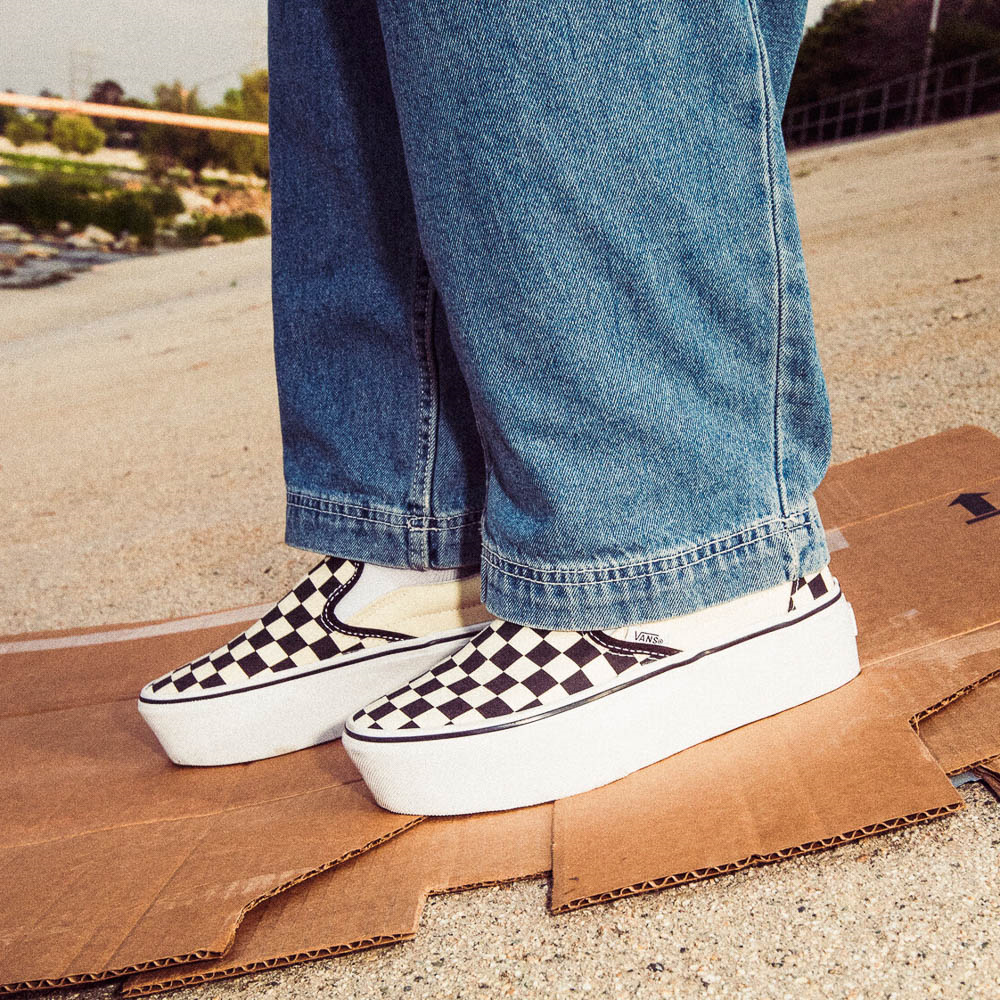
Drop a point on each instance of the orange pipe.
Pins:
(133, 114)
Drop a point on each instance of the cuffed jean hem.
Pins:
(379, 535)
(762, 555)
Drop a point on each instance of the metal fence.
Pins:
(954, 89)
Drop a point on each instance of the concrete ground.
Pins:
(141, 473)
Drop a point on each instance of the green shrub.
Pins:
(232, 228)
(237, 227)
(164, 202)
(21, 129)
(76, 134)
(127, 211)
(41, 205)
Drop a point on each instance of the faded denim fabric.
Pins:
(565, 231)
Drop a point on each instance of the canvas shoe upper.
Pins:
(521, 715)
(291, 678)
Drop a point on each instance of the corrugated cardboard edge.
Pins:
(95, 977)
(982, 768)
(529, 828)
(989, 773)
(192, 977)
(755, 861)
(985, 764)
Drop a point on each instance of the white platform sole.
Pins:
(607, 737)
(289, 713)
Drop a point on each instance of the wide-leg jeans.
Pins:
(540, 301)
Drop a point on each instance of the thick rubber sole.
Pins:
(289, 713)
(610, 735)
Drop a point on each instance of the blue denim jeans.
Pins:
(540, 300)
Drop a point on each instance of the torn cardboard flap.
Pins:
(113, 859)
(989, 773)
(323, 917)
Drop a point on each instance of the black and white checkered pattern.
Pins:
(806, 592)
(301, 630)
(507, 669)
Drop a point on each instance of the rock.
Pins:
(127, 243)
(8, 263)
(212, 240)
(97, 236)
(64, 228)
(13, 233)
(39, 251)
(193, 200)
(79, 242)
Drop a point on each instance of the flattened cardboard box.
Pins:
(114, 860)
(111, 858)
(915, 563)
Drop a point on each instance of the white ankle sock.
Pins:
(376, 581)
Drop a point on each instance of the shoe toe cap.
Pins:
(182, 683)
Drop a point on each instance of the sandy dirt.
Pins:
(141, 475)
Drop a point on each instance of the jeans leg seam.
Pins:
(682, 559)
(427, 406)
(778, 260)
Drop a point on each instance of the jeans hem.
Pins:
(761, 555)
(381, 535)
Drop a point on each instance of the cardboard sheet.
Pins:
(162, 863)
(112, 859)
(914, 563)
(989, 774)
(322, 917)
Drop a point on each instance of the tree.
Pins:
(21, 129)
(116, 130)
(833, 56)
(189, 147)
(130, 133)
(46, 117)
(244, 154)
(106, 92)
(76, 134)
(858, 43)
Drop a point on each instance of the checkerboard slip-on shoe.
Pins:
(347, 632)
(523, 715)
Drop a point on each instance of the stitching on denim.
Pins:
(677, 559)
(804, 516)
(410, 522)
(652, 572)
(427, 403)
(779, 264)
(316, 501)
